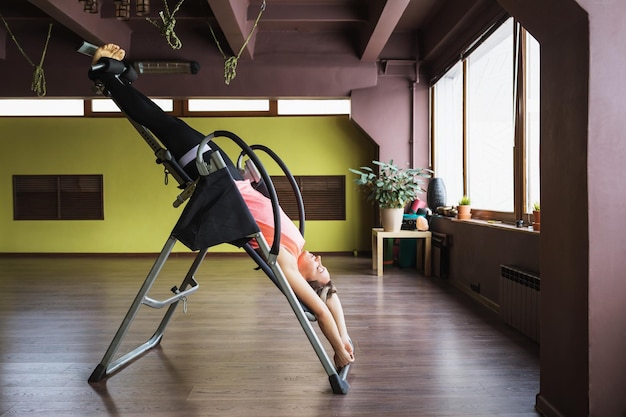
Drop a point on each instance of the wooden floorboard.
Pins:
(422, 348)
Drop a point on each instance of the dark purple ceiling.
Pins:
(338, 37)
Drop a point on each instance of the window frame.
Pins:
(520, 169)
(180, 108)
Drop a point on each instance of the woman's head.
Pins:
(318, 277)
(311, 268)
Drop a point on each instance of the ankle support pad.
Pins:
(109, 65)
(113, 66)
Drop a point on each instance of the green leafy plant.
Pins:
(465, 201)
(536, 206)
(391, 187)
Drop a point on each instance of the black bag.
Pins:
(216, 213)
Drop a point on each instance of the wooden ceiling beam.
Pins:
(89, 26)
(339, 13)
(3, 43)
(383, 25)
(232, 18)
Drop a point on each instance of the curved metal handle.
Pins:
(290, 178)
(204, 170)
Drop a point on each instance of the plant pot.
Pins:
(391, 219)
(465, 212)
(536, 220)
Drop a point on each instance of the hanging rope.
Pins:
(167, 25)
(230, 64)
(39, 79)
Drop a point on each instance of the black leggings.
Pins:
(177, 136)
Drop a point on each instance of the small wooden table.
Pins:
(377, 246)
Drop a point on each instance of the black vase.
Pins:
(436, 194)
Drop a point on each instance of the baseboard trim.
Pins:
(110, 254)
(134, 254)
(477, 297)
(546, 409)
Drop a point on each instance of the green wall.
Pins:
(138, 206)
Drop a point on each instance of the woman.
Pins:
(304, 271)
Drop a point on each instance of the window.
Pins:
(309, 107)
(266, 107)
(324, 196)
(58, 197)
(448, 120)
(490, 122)
(532, 121)
(227, 105)
(480, 148)
(41, 107)
(106, 105)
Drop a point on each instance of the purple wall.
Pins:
(395, 115)
(384, 113)
(480, 263)
(581, 247)
(564, 233)
(583, 322)
(606, 201)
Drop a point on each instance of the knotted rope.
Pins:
(167, 25)
(39, 79)
(230, 64)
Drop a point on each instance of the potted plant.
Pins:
(464, 208)
(536, 216)
(391, 189)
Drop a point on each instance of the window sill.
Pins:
(494, 224)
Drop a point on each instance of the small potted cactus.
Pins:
(464, 208)
(536, 216)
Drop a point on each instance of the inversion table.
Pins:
(215, 214)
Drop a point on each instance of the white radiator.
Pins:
(520, 299)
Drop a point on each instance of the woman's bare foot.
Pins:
(109, 50)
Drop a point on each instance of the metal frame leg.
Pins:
(337, 378)
(107, 366)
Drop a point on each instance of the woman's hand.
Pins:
(346, 355)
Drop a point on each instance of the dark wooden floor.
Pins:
(422, 348)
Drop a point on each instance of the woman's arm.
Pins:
(334, 305)
(305, 293)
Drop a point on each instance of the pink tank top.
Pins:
(261, 209)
